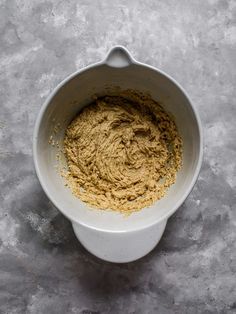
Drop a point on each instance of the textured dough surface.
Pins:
(123, 152)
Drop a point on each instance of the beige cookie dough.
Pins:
(123, 152)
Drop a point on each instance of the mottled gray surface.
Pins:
(43, 268)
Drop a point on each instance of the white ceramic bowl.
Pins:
(110, 235)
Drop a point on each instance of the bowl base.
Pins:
(119, 247)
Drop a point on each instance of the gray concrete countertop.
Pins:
(43, 268)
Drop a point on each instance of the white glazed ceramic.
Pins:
(110, 235)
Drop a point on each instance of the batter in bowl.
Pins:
(123, 152)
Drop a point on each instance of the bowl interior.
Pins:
(76, 92)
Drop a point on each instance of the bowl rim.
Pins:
(35, 140)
